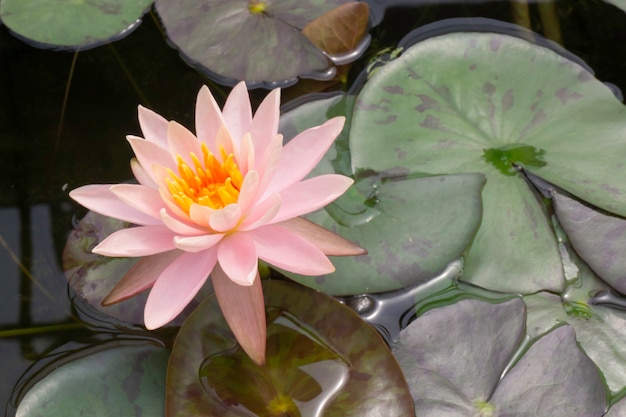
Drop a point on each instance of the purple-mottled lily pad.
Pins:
(599, 238)
(322, 359)
(92, 276)
(468, 102)
(69, 24)
(120, 381)
(453, 358)
(412, 227)
(257, 41)
(600, 330)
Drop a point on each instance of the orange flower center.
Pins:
(209, 182)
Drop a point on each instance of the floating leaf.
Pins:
(469, 102)
(599, 239)
(340, 30)
(453, 358)
(322, 359)
(72, 24)
(255, 41)
(412, 227)
(120, 381)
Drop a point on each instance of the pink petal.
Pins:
(99, 198)
(177, 286)
(224, 140)
(137, 241)
(287, 250)
(140, 277)
(180, 227)
(301, 154)
(208, 118)
(249, 190)
(225, 219)
(243, 308)
(265, 122)
(149, 154)
(200, 214)
(328, 242)
(310, 195)
(197, 243)
(142, 198)
(141, 175)
(245, 159)
(262, 213)
(182, 142)
(236, 254)
(153, 126)
(237, 112)
(268, 163)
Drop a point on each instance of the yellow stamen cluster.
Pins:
(209, 183)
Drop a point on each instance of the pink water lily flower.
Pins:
(215, 203)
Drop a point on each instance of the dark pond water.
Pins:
(46, 150)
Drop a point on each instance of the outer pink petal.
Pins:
(266, 165)
(328, 242)
(171, 206)
(149, 154)
(141, 174)
(137, 241)
(237, 113)
(140, 277)
(261, 213)
(180, 227)
(225, 219)
(181, 142)
(301, 154)
(99, 198)
(287, 250)
(208, 118)
(153, 126)
(237, 257)
(177, 286)
(310, 195)
(197, 243)
(140, 197)
(265, 122)
(244, 310)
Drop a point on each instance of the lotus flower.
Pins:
(213, 204)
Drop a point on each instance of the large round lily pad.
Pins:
(322, 359)
(120, 381)
(72, 24)
(412, 226)
(493, 103)
(257, 41)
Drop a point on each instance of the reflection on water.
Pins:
(303, 373)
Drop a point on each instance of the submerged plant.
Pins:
(215, 204)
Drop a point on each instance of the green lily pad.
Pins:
(72, 24)
(599, 239)
(412, 226)
(322, 359)
(120, 381)
(453, 358)
(470, 102)
(92, 276)
(256, 41)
